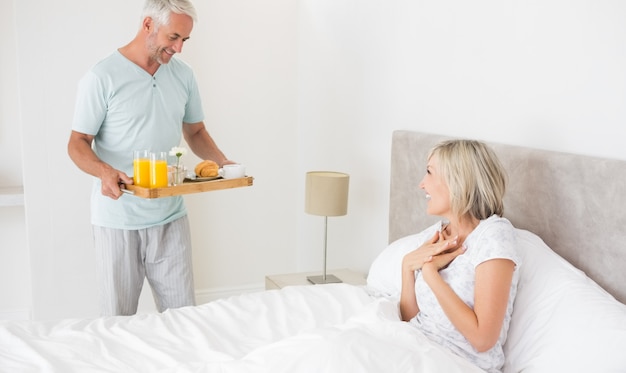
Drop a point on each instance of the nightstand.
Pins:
(345, 275)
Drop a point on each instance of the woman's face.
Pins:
(437, 192)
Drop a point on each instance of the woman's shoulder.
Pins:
(495, 237)
(495, 224)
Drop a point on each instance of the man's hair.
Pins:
(475, 177)
(160, 10)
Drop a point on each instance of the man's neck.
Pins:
(135, 53)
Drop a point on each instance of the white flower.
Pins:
(178, 151)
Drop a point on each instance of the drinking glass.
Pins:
(141, 168)
(158, 169)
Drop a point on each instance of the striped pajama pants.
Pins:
(162, 254)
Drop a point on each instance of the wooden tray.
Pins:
(189, 187)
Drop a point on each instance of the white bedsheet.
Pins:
(330, 328)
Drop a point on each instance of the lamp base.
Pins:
(318, 280)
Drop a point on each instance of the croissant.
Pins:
(207, 168)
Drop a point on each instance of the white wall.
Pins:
(15, 301)
(244, 54)
(545, 74)
(290, 86)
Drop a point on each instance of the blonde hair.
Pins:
(474, 175)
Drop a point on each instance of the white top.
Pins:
(128, 109)
(493, 238)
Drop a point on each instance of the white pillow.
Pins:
(385, 274)
(562, 321)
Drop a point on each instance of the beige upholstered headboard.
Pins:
(575, 203)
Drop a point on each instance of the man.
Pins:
(141, 97)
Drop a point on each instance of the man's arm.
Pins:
(80, 151)
(202, 144)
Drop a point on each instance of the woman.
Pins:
(459, 286)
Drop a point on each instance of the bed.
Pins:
(569, 313)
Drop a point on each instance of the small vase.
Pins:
(177, 175)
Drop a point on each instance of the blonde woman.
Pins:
(459, 286)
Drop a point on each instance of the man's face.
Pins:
(168, 39)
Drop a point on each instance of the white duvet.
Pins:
(329, 328)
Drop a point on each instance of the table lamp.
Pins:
(326, 195)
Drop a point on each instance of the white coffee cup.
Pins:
(232, 171)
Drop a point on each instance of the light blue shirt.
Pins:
(128, 109)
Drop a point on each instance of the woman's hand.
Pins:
(435, 252)
(438, 251)
(441, 261)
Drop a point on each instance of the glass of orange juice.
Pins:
(158, 169)
(141, 168)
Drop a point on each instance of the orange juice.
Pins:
(141, 172)
(158, 170)
(158, 174)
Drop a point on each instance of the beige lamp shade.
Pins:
(326, 193)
